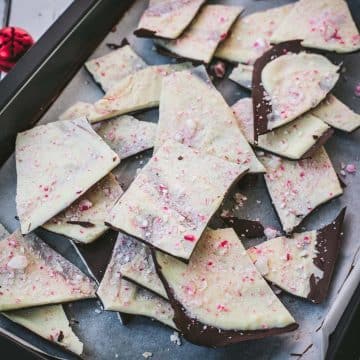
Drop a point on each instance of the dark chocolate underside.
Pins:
(261, 106)
(328, 242)
(85, 224)
(201, 334)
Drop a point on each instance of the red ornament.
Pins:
(14, 42)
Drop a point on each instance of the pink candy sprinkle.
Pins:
(224, 243)
(224, 36)
(350, 168)
(357, 90)
(85, 205)
(189, 237)
(222, 308)
(219, 69)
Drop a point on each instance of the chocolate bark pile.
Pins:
(156, 246)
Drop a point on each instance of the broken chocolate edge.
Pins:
(151, 34)
(143, 286)
(123, 43)
(325, 136)
(163, 51)
(206, 335)
(262, 107)
(297, 227)
(328, 242)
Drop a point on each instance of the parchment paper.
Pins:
(103, 335)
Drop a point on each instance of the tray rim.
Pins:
(29, 73)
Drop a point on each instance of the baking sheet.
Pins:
(103, 335)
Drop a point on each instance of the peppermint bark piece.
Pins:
(167, 18)
(242, 75)
(211, 308)
(138, 91)
(127, 135)
(80, 109)
(302, 264)
(118, 294)
(137, 265)
(55, 164)
(172, 199)
(33, 274)
(337, 114)
(296, 188)
(250, 35)
(84, 220)
(297, 140)
(49, 322)
(296, 83)
(202, 37)
(111, 68)
(194, 113)
(321, 24)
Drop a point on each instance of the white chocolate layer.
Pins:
(49, 322)
(173, 197)
(169, 18)
(92, 208)
(288, 262)
(292, 140)
(111, 68)
(136, 263)
(298, 187)
(204, 34)
(242, 75)
(250, 35)
(321, 24)
(32, 274)
(337, 114)
(221, 287)
(194, 113)
(127, 135)
(118, 294)
(56, 164)
(296, 83)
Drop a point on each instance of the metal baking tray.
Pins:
(50, 78)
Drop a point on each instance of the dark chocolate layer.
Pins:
(320, 141)
(328, 242)
(201, 334)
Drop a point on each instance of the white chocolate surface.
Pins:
(250, 35)
(194, 113)
(56, 164)
(169, 18)
(321, 24)
(221, 287)
(173, 197)
(296, 83)
(296, 188)
(32, 274)
(93, 207)
(204, 34)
